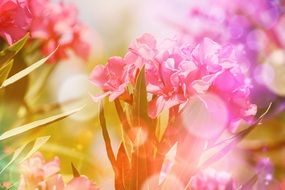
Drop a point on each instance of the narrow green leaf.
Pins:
(26, 71)
(38, 123)
(128, 145)
(122, 115)
(38, 143)
(7, 54)
(140, 99)
(106, 138)
(75, 172)
(162, 124)
(16, 154)
(5, 70)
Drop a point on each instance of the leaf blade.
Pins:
(38, 143)
(38, 123)
(8, 53)
(25, 71)
(5, 70)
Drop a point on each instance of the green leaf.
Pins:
(106, 138)
(38, 123)
(38, 143)
(7, 54)
(128, 145)
(18, 151)
(5, 70)
(26, 71)
(162, 124)
(140, 100)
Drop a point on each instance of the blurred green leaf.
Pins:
(26, 71)
(37, 144)
(5, 70)
(17, 153)
(38, 123)
(7, 54)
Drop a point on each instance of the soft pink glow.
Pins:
(15, 19)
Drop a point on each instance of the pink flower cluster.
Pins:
(211, 179)
(53, 24)
(15, 19)
(174, 73)
(236, 22)
(57, 24)
(36, 173)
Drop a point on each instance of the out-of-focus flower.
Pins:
(57, 24)
(37, 173)
(81, 182)
(5, 185)
(256, 26)
(174, 73)
(212, 179)
(15, 19)
(265, 173)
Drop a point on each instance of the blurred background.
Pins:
(114, 25)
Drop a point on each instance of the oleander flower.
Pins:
(57, 24)
(112, 78)
(15, 19)
(176, 72)
(36, 172)
(212, 179)
(256, 26)
(81, 182)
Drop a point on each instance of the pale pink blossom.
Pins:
(36, 172)
(57, 24)
(15, 19)
(82, 183)
(211, 179)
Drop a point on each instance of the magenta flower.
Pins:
(15, 19)
(176, 72)
(211, 179)
(56, 24)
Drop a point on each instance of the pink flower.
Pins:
(221, 73)
(56, 24)
(112, 78)
(15, 19)
(176, 72)
(141, 53)
(36, 172)
(211, 179)
(82, 183)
